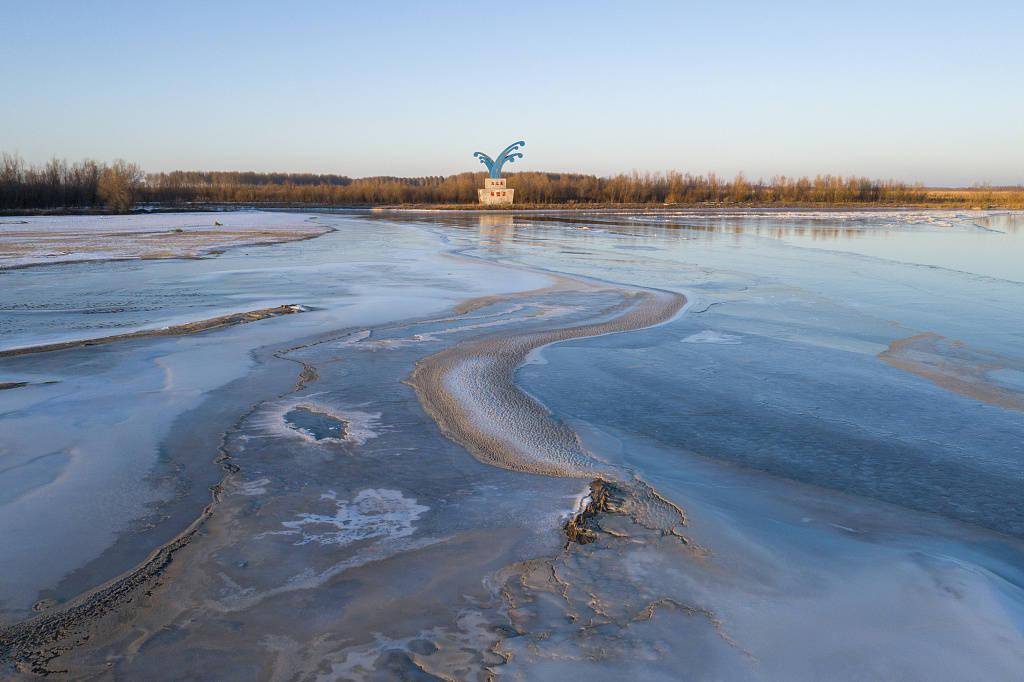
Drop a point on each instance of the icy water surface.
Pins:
(812, 470)
(108, 449)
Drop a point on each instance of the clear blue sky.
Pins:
(912, 90)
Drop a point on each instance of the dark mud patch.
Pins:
(609, 597)
(33, 644)
(176, 330)
(316, 424)
(583, 526)
(7, 385)
(641, 505)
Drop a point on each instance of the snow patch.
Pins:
(372, 513)
(709, 336)
(252, 488)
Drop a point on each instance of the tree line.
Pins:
(531, 188)
(58, 184)
(120, 185)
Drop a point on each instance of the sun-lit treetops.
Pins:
(120, 185)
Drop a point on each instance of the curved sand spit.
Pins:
(469, 389)
(209, 324)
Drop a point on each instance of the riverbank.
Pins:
(935, 199)
(44, 240)
(470, 392)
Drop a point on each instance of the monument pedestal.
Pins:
(495, 193)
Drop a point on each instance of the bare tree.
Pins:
(119, 185)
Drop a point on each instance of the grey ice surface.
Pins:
(862, 521)
(834, 411)
(83, 457)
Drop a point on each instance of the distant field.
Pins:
(978, 198)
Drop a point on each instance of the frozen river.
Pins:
(805, 426)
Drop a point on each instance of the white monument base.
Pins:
(495, 193)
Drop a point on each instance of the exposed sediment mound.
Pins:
(78, 239)
(469, 391)
(7, 385)
(32, 644)
(633, 499)
(598, 598)
(604, 598)
(176, 330)
(957, 367)
(582, 525)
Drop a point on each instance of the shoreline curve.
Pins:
(469, 389)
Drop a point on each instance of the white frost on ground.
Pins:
(372, 513)
(709, 336)
(359, 426)
(540, 311)
(253, 488)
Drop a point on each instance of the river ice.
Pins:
(835, 413)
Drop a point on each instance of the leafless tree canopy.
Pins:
(120, 185)
(57, 184)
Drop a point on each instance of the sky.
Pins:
(916, 91)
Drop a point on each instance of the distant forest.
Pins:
(121, 185)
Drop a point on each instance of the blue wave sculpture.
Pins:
(508, 155)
